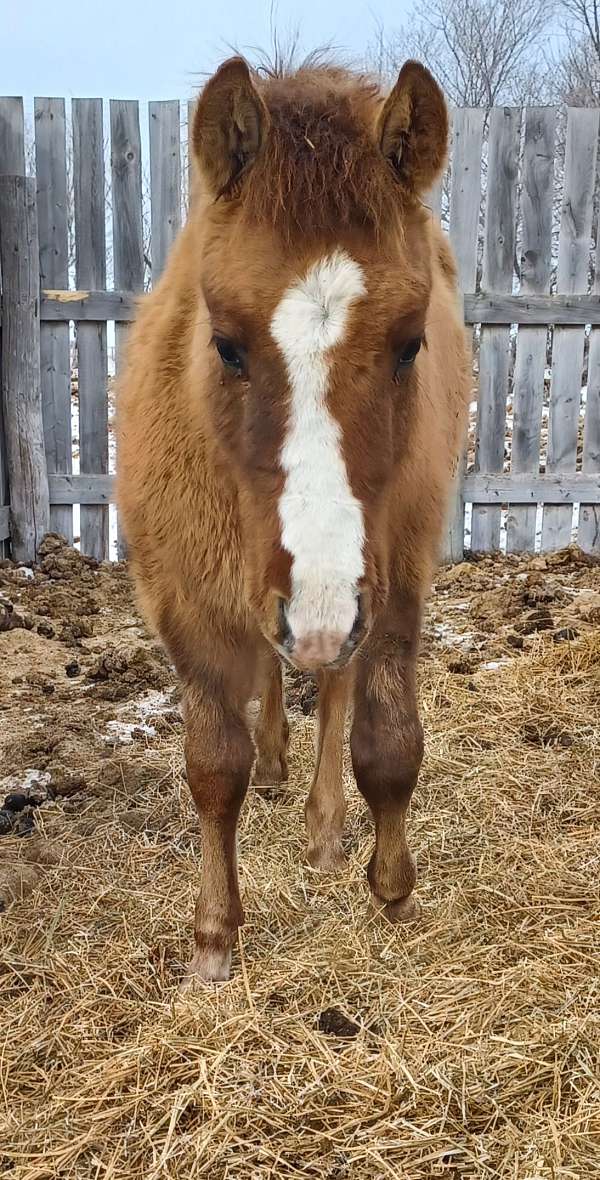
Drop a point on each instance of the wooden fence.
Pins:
(521, 206)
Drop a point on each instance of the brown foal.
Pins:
(289, 420)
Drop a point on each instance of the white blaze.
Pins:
(321, 520)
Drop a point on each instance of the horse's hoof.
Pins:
(207, 966)
(269, 772)
(327, 858)
(404, 909)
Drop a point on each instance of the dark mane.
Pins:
(320, 167)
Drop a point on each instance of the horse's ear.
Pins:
(413, 128)
(230, 124)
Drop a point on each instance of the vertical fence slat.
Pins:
(12, 163)
(165, 181)
(128, 237)
(126, 164)
(465, 199)
(90, 265)
(588, 533)
(494, 351)
(568, 343)
(191, 107)
(55, 359)
(21, 392)
(12, 137)
(530, 360)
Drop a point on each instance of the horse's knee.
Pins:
(386, 756)
(219, 754)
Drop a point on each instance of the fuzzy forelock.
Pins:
(320, 167)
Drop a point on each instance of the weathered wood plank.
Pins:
(82, 306)
(55, 359)
(530, 360)
(12, 163)
(90, 265)
(165, 181)
(12, 137)
(21, 389)
(588, 532)
(51, 176)
(126, 164)
(191, 107)
(128, 235)
(465, 195)
(532, 488)
(4, 523)
(82, 489)
(494, 352)
(465, 200)
(4, 495)
(568, 344)
(483, 489)
(541, 310)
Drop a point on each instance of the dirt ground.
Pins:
(466, 1045)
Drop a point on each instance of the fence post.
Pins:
(465, 199)
(21, 383)
(12, 163)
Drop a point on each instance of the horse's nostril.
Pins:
(358, 625)
(285, 637)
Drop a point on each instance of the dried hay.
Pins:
(465, 1046)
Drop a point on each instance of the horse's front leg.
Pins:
(219, 755)
(387, 750)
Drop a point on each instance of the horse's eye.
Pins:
(229, 354)
(406, 357)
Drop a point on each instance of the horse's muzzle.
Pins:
(319, 647)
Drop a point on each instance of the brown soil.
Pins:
(73, 646)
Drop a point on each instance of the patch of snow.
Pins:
(451, 638)
(150, 704)
(31, 778)
(122, 731)
(154, 701)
